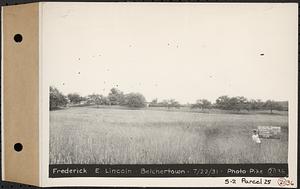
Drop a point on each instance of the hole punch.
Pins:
(18, 147)
(18, 38)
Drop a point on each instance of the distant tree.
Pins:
(284, 105)
(74, 98)
(154, 103)
(223, 102)
(116, 97)
(84, 98)
(242, 104)
(272, 105)
(232, 103)
(165, 103)
(135, 100)
(98, 99)
(174, 103)
(91, 99)
(105, 100)
(57, 99)
(255, 104)
(202, 104)
(169, 103)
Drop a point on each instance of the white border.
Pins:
(40, 91)
(2, 100)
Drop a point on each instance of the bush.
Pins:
(75, 98)
(202, 104)
(135, 100)
(57, 99)
(272, 105)
(116, 97)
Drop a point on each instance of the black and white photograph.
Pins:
(187, 84)
(149, 94)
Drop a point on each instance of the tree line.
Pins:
(239, 103)
(137, 100)
(115, 97)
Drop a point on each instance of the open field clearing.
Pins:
(90, 135)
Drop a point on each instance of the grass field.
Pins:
(90, 135)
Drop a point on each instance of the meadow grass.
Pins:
(90, 135)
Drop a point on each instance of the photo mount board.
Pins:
(20, 89)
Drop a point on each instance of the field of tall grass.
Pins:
(90, 135)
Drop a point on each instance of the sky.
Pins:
(183, 51)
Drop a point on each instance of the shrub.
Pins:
(57, 99)
(135, 100)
